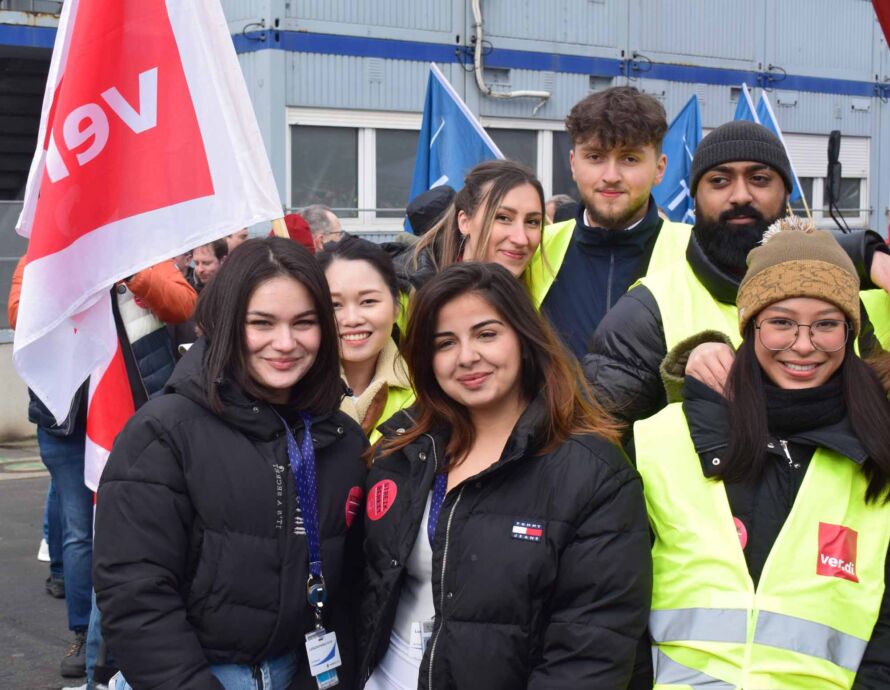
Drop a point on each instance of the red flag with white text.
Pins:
(148, 147)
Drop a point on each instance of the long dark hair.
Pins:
(485, 185)
(547, 368)
(867, 408)
(221, 315)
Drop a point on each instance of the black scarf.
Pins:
(792, 412)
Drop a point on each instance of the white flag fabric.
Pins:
(148, 147)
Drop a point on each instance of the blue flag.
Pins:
(745, 109)
(451, 139)
(680, 142)
(767, 118)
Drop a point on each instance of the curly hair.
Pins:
(620, 116)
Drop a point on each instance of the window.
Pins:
(806, 187)
(324, 168)
(562, 172)
(849, 202)
(520, 145)
(361, 163)
(396, 150)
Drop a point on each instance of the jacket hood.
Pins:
(708, 417)
(255, 418)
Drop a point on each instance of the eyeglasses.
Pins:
(826, 335)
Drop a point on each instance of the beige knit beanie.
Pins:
(795, 259)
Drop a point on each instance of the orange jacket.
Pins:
(161, 288)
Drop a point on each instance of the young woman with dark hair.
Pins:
(770, 506)
(224, 513)
(365, 295)
(506, 542)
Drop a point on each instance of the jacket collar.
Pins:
(707, 417)
(524, 439)
(723, 286)
(638, 237)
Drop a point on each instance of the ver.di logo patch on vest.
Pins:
(837, 552)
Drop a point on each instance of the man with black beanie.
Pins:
(741, 180)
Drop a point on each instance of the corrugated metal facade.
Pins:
(373, 56)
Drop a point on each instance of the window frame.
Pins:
(367, 122)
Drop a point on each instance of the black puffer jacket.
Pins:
(562, 612)
(195, 557)
(629, 346)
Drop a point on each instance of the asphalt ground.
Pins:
(33, 626)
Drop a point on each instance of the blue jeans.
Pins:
(277, 674)
(63, 457)
(52, 531)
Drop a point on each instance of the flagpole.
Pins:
(279, 228)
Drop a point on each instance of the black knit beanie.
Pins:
(740, 140)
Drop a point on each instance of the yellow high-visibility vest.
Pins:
(807, 623)
(877, 306)
(396, 399)
(669, 251)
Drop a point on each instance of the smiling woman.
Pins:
(501, 490)
(784, 490)
(365, 295)
(221, 496)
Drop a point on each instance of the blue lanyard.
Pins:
(302, 465)
(440, 487)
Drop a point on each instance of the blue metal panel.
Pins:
(27, 36)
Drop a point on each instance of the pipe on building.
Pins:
(477, 67)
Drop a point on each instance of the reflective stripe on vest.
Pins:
(808, 622)
(669, 251)
(773, 629)
(669, 673)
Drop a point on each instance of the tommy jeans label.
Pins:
(527, 531)
(837, 552)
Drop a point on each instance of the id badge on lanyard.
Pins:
(322, 650)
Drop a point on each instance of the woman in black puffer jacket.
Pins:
(201, 554)
(507, 544)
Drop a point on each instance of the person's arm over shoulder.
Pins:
(625, 353)
(143, 521)
(165, 292)
(600, 603)
(874, 670)
(15, 293)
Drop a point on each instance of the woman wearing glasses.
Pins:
(769, 506)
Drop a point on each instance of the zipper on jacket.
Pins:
(793, 465)
(257, 676)
(609, 280)
(442, 586)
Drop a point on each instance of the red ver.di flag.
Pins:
(148, 146)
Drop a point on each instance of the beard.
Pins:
(728, 245)
(617, 218)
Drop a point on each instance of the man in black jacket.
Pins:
(741, 180)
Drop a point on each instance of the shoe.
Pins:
(43, 551)
(74, 663)
(55, 587)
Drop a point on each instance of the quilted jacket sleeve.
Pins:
(600, 606)
(143, 521)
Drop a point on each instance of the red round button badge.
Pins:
(353, 504)
(381, 497)
(742, 531)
